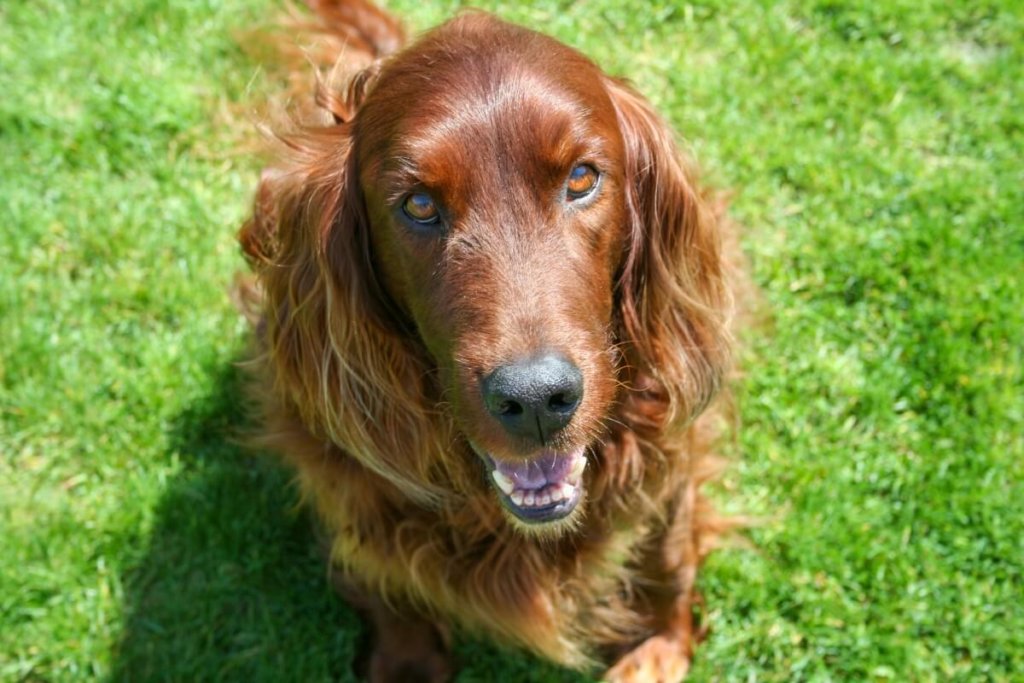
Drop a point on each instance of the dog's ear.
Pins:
(673, 301)
(334, 348)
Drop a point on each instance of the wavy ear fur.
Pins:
(328, 331)
(674, 301)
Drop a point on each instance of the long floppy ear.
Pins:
(331, 339)
(674, 303)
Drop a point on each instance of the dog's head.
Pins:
(503, 230)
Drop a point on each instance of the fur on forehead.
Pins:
(512, 128)
(457, 89)
(540, 146)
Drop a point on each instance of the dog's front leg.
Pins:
(662, 658)
(671, 571)
(406, 647)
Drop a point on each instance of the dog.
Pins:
(493, 308)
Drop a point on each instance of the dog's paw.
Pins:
(659, 659)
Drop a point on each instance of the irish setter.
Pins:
(493, 314)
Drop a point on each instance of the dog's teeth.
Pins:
(517, 497)
(556, 494)
(567, 490)
(504, 483)
(577, 467)
(544, 499)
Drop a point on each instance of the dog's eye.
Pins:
(420, 208)
(582, 181)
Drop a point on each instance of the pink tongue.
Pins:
(547, 468)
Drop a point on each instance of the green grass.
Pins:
(875, 151)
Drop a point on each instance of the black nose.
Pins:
(535, 397)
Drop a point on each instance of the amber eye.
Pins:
(582, 181)
(420, 208)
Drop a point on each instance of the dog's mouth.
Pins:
(544, 488)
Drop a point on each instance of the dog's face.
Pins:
(494, 187)
(500, 210)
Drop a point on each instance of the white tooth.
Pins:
(503, 482)
(529, 499)
(517, 497)
(556, 494)
(567, 491)
(577, 467)
(544, 499)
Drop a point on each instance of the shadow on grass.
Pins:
(232, 588)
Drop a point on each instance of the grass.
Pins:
(875, 151)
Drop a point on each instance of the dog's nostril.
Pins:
(561, 402)
(510, 408)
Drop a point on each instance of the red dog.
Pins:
(494, 304)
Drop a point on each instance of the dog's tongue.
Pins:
(536, 473)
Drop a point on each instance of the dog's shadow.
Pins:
(231, 587)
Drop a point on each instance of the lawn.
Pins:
(875, 151)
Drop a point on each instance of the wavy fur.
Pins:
(360, 401)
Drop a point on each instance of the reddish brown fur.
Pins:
(375, 337)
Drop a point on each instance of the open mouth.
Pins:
(545, 488)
